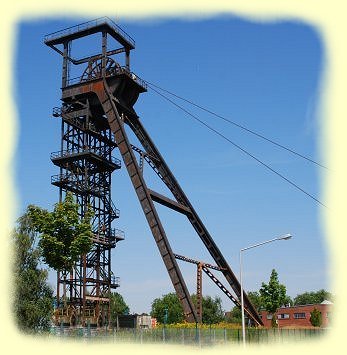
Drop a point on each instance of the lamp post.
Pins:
(284, 237)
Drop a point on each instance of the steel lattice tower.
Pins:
(86, 163)
(96, 107)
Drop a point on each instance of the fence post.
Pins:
(225, 335)
(88, 329)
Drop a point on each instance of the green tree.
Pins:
(63, 236)
(118, 307)
(33, 298)
(235, 315)
(255, 299)
(212, 312)
(316, 318)
(313, 297)
(211, 309)
(174, 308)
(273, 295)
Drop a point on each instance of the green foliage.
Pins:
(273, 295)
(63, 236)
(316, 318)
(211, 309)
(235, 315)
(256, 300)
(312, 297)
(173, 305)
(118, 306)
(33, 298)
(212, 312)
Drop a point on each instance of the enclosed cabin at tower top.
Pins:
(111, 62)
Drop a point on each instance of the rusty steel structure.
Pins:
(96, 107)
(203, 266)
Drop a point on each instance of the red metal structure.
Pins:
(103, 97)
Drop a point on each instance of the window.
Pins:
(299, 315)
(269, 316)
(283, 316)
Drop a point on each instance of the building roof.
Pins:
(326, 302)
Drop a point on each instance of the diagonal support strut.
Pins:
(110, 105)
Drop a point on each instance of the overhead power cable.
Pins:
(239, 147)
(151, 85)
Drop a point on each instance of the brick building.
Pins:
(298, 316)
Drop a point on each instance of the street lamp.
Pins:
(284, 237)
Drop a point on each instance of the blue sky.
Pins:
(263, 76)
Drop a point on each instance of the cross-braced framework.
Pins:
(86, 163)
(202, 266)
(96, 107)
